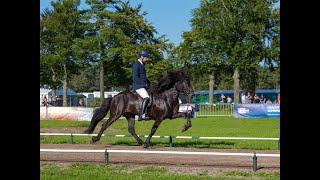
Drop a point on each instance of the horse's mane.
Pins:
(167, 81)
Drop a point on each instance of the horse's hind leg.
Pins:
(132, 131)
(96, 118)
(153, 130)
(104, 126)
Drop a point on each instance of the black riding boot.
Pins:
(143, 109)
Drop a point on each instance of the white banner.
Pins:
(66, 113)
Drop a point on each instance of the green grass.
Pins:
(202, 126)
(79, 171)
(61, 123)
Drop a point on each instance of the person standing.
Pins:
(141, 82)
(229, 100)
(262, 99)
(45, 101)
(256, 99)
(222, 97)
(278, 98)
(249, 97)
(243, 98)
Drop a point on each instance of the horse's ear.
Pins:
(181, 75)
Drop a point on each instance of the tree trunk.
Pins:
(65, 86)
(211, 83)
(236, 86)
(101, 81)
(53, 92)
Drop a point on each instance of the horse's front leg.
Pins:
(153, 130)
(132, 131)
(188, 125)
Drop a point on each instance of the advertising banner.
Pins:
(66, 113)
(257, 110)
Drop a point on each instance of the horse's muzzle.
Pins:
(190, 95)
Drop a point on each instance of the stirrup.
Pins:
(140, 118)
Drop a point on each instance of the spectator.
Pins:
(80, 103)
(262, 99)
(54, 99)
(256, 99)
(278, 98)
(229, 100)
(249, 98)
(222, 97)
(45, 101)
(269, 102)
(243, 98)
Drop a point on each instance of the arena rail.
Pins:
(170, 137)
(106, 152)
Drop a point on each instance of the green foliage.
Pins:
(87, 80)
(58, 30)
(226, 35)
(96, 102)
(268, 79)
(116, 32)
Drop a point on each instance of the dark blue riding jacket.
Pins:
(139, 76)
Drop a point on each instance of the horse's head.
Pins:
(183, 84)
(177, 79)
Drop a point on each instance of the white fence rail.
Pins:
(170, 137)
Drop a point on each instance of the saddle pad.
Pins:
(184, 107)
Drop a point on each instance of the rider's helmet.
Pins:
(144, 53)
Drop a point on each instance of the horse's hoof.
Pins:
(94, 139)
(87, 131)
(146, 145)
(140, 143)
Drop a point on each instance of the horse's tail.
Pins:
(99, 114)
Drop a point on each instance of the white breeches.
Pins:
(143, 93)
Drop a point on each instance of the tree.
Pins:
(58, 30)
(115, 34)
(47, 78)
(231, 37)
(131, 21)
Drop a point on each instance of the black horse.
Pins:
(164, 104)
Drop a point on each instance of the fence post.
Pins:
(254, 162)
(170, 141)
(106, 157)
(71, 140)
(279, 144)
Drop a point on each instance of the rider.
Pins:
(141, 82)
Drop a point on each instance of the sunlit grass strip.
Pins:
(82, 170)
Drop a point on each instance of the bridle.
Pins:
(184, 91)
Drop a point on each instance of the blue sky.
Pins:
(169, 17)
